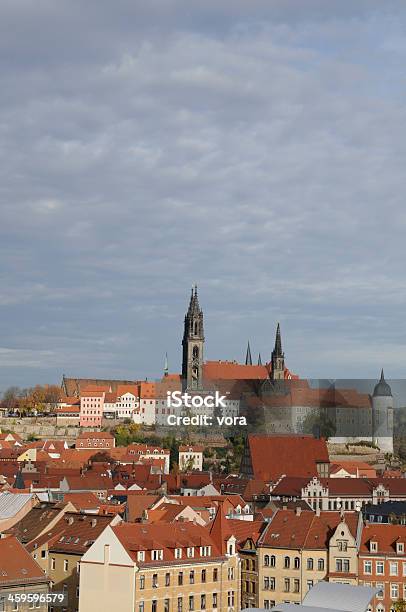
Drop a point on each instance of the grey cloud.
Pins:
(146, 146)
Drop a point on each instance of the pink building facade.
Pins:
(91, 408)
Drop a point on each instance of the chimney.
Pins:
(93, 522)
(298, 510)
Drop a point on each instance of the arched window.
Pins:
(287, 563)
(310, 564)
(297, 563)
(320, 565)
(195, 352)
(195, 330)
(273, 561)
(266, 561)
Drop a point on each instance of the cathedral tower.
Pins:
(278, 358)
(193, 345)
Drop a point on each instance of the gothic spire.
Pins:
(248, 358)
(194, 301)
(278, 342)
(259, 359)
(166, 369)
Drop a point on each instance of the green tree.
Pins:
(400, 605)
(318, 422)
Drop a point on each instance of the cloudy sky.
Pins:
(255, 148)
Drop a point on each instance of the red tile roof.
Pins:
(275, 455)
(304, 529)
(386, 535)
(164, 536)
(17, 565)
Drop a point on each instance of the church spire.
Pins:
(259, 359)
(278, 342)
(248, 358)
(166, 368)
(278, 357)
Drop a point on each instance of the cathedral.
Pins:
(196, 372)
(284, 400)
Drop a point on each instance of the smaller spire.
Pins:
(278, 342)
(382, 376)
(248, 358)
(259, 359)
(166, 369)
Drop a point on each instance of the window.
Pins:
(296, 563)
(286, 563)
(373, 546)
(178, 553)
(180, 578)
(380, 568)
(154, 606)
(43, 556)
(191, 602)
(180, 604)
(309, 584)
(296, 586)
(2, 604)
(215, 574)
(381, 590)
(393, 568)
(320, 565)
(367, 567)
(190, 552)
(214, 600)
(203, 575)
(267, 580)
(157, 555)
(202, 602)
(155, 581)
(166, 605)
(141, 555)
(287, 585)
(142, 582)
(53, 563)
(310, 564)
(167, 579)
(192, 577)
(230, 573)
(141, 607)
(394, 591)
(266, 561)
(65, 565)
(230, 599)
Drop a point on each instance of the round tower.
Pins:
(382, 416)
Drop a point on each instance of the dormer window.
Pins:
(373, 546)
(190, 552)
(141, 555)
(205, 551)
(178, 553)
(400, 548)
(157, 555)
